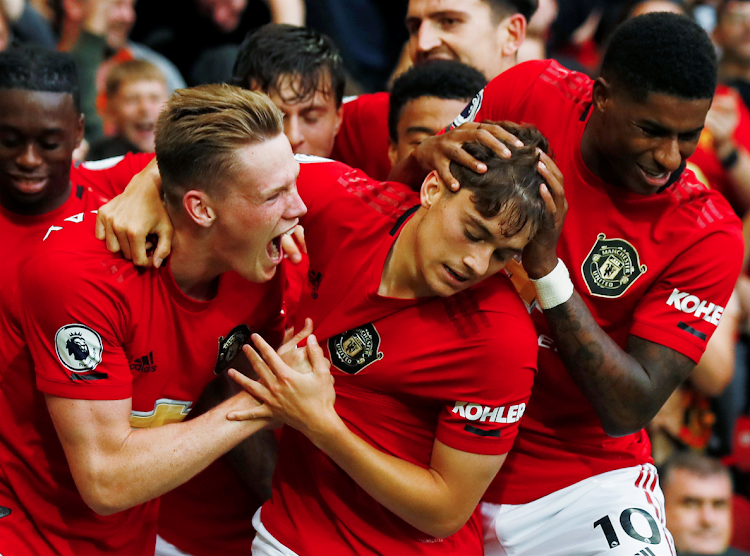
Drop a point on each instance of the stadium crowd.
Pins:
(354, 277)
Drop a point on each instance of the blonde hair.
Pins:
(129, 71)
(199, 131)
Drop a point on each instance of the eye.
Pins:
(470, 237)
(447, 23)
(49, 145)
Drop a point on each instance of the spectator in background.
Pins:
(484, 34)
(732, 36)
(24, 24)
(426, 99)
(203, 42)
(698, 501)
(135, 94)
(97, 33)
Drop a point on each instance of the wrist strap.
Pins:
(555, 288)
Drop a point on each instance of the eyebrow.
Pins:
(419, 129)
(660, 128)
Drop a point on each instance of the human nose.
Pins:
(296, 208)
(293, 132)
(478, 261)
(29, 157)
(428, 37)
(668, 154)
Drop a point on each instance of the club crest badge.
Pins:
(612, 266)
(79, 348)
(355, 349)
(230, 346)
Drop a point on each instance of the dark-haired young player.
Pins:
(101, 362)
(484, 34)
(41, 124)
(653, 257)
(303, 73)
(425, 100)
(427, 397)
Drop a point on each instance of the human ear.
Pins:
(198, 207)
(432, 190)
(515, 27)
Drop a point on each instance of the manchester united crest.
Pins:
(611, 267)
(355, 349)
(231, 345)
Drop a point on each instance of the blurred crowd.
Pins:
(131, 56)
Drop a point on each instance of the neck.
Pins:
(590, 152)
(401, 278)
(194, 270)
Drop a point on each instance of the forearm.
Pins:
(291, 12)
(110, 477)
(625, 395)
(419, 496)
(408, 171)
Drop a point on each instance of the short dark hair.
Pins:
(692, 462)
(510, 185)
(661, 53)
(505, 8)
(34, 68)
(446, 79)
(276, 51)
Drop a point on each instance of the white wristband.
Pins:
(555, 288)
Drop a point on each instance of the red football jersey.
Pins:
(408, 372)
(704, 157)
(96, 327)
(23, 234)
(660, 267)
(362, 140)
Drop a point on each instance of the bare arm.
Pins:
(107, 457)
(287, 11)
(438, 500)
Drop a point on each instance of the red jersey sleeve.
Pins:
(362, 140)
(74, 328)
(505, 352)
(109, 177)
(681, 310)
(502, 96)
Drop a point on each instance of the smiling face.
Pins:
(310, 123)
(699, 511)
(134, 110)
(456, 247)
(38, 133)
(258, 207)
(464, 30)
(639, 144)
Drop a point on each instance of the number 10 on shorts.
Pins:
(627, 526)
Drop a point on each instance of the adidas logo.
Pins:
(144, 364)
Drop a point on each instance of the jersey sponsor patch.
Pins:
(471, 110)
(231, 345)
(692, 305)
(79, 348)
(611, 267)
(484, 413)
(355, 349)
(165, 411)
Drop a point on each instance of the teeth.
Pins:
(274, 248)
(288, 232)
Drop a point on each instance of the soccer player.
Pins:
(303, 73)
(427, 396)
(484, 34)
(102, 362)
(41, 124)
(425, 100)
(653, 257)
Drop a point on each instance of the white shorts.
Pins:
(618, 513)
(264, 544)
(163, 548)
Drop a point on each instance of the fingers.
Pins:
(134, 247)
(164, 231)
(318, 360)
(111, 241)
(291, 249)
(299, 237)
(258, 364)
(291, 341)
(100, 227)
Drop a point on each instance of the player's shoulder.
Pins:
(338, 182)
(699, 208)
(369, 102)
(551, 76)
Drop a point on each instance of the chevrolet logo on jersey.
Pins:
(355, 349)
(611, 267)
